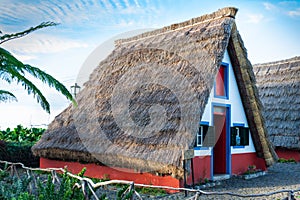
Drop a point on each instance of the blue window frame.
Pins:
(203, 128)
(221, 85)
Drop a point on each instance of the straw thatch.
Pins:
(141, 107)
(279, 90)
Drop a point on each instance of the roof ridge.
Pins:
(223, 12)
(279, 62)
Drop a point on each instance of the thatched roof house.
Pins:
(279, 90)
(142, 105)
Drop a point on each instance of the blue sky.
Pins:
(270, 30)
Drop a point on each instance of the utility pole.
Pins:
(74, 90)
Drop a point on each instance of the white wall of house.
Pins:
(237, 111)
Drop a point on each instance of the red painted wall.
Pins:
(202, 165)
(201, 170)
(98, 171)
(241, 162)
(287, 154)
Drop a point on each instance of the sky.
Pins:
(270, 31)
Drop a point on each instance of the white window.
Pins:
(199, 137)
(205, 136)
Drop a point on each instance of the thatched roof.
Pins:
(279, 90)
(141, 107)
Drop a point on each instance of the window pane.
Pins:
(219, 110)
(220, 82)
(199, 136)
(199, 141)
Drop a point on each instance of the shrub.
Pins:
(18, 152)
(21, 134)
(283, 160)
(14, 188)
(23, 188)
(15, 145)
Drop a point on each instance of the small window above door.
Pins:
(221, 82)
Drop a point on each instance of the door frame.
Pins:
(228, 148)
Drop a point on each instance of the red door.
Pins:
(219, 153)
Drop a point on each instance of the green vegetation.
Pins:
(203, 181)
(21, 134)
(251, 170)
(22, 188)
(128, 195)
(18, 152)
(283, 160)
(13, 70)
(15, 144)
(33, 187)
(151, 191)
(142, 190)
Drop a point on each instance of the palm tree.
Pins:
(13, 70)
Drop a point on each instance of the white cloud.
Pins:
(290, 8)
(25, 114)
(137, 3)
(294, 13)
(288, 3)
(70, 11)
(269, 6)
(77, 18)
(25, 57)
(27, 111)
(40, 43)
(254, 18)
(132, 10)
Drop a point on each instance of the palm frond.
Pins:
(7, 60)
(7, 37)
(49, 80)
(6, 96)
(13, 69)
(4, 75)
(30, 88)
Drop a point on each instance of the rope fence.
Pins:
(86, 184)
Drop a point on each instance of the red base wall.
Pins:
(202, 170)
(287, 154)
(98, 171)
(241, 162)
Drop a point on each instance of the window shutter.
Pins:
(205, 130)
(244, 134)
(209, 136)
(233, 136)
